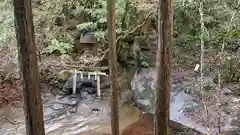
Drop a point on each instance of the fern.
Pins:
(97, 21)
(58, 47)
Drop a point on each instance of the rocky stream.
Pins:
(91, 115)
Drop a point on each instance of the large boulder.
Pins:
(143, 86)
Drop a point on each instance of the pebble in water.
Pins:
(58, 106)
(73, 110)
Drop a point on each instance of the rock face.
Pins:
(143, 85)
(142, 88)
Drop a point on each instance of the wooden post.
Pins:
(113, 65)
(164, 69)
(74, 82)
(98, 87)
(28, 64)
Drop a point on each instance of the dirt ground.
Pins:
(144, 126)
(10, 92)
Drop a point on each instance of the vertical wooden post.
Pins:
(164, 68)
(113, 65)
(28, 64)
(98, 86)
(74, 82)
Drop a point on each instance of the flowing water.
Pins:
(92, 116)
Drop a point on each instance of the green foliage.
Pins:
(87, 25)
(141, 60)
(6, 25)
(217, 15)
(221, 20)
(51, 18)
(92, 12)
(96, 18)
(57, 47)
(52, 15)
(230, 72)
(138, 59)
(96, 23)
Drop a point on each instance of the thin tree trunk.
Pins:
(219, 89)
(202, 61)
(201, 44)
(113, 66)
(28, 64)
(220, 58)
(202, 47)
(158, 59)
(164, 69)
(124, 22)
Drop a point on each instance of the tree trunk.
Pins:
(164, 69)
(28, 64)
(113, 66)
(202, 45)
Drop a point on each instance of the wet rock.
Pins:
(95, 109)
(142, 90)
(233, 132)
(57, 115)
(126, 96)
(2, 130)
(84, 95)
(143, 85)
(58, 106)
(48, 112)
(73, 110)
(189, 107)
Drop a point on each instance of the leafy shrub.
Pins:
(58, 47)
(217, 15)
(96, 18)
(6, 26)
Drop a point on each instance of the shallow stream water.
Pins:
(92, 116)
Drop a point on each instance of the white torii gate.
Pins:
(97, 77)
